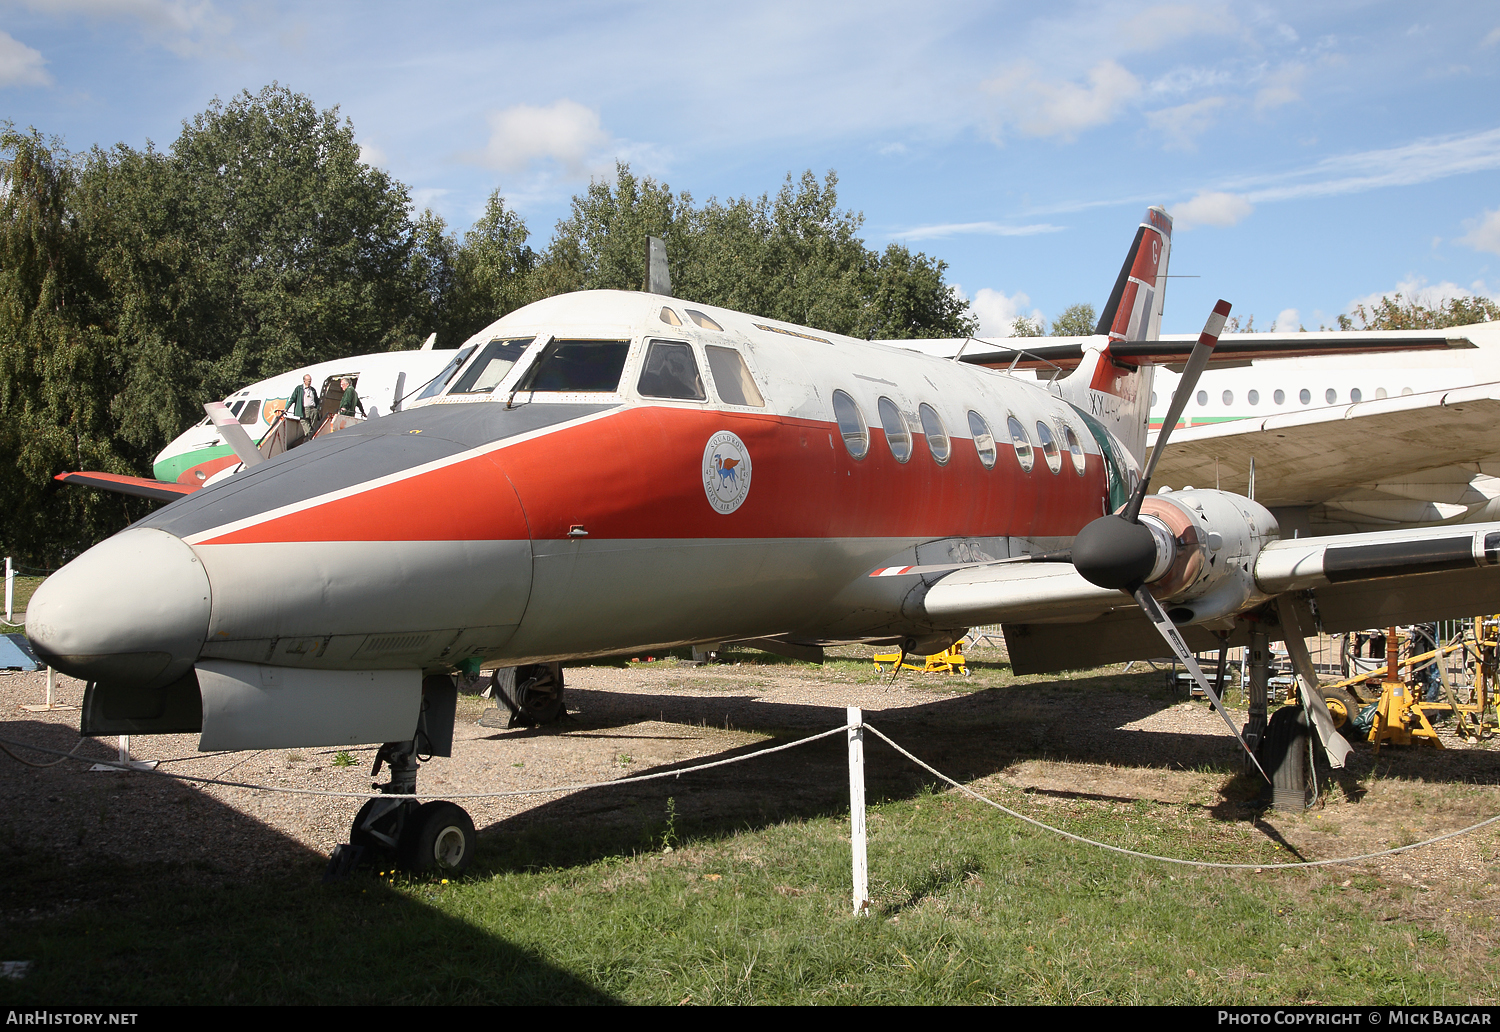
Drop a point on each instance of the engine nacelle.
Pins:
(1207, 543)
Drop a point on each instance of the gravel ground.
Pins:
(1061, 741)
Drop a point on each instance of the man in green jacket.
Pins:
(303, 404)
(351, 400)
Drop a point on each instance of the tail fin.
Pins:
(1115, 392)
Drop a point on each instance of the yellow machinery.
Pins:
(1400, 716)
(950, 661)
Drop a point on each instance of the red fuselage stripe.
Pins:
(638, 475)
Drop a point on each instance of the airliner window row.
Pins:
(899, 436)
(1305, 396)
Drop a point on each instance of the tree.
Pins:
(1075, 321)
(1397, 312)
(491, 271)
(1024, 327)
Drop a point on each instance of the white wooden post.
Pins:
(10, 588)
(857, 810)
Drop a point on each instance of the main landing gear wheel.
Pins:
(378, 825)
(533, 694)
(438, 838)
(1283, 754)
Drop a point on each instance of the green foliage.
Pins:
(1076, 321)
(1024, 327)
(1397, 312)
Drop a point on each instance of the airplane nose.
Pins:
(132, 610)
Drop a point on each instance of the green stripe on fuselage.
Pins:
(171, 469)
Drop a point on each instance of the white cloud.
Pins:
(1287, 321)
(1037, 107)
(1491, 39)
(1283, 86)
(1484, 235)
(180, 26)
(371, 154)
(1182, 125)
(997, 312)
(1211, 209)
(990, 228)
(566, 132)
(20, 65)
(1417, 289)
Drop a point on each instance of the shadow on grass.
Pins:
(98, 928)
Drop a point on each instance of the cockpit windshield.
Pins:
(437, 383)
(578, 366)
(489, 368)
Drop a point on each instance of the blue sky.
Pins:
(1313, 155)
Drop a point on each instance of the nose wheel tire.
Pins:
(1283, 754)
(438, 839)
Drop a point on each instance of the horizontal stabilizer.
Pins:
(136, 487)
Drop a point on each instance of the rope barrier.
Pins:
(448, 795)
(1169, 859)
(635, 779)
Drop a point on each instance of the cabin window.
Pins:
(896, 433)
(1203, 397)
(581, 366)
(984, 441)
(1405, 391)
(1331, 395)
(437, 383)
(1380, 392)
(251, 412)
(670, 317)
(1279, 397)
(671, 371)
(1153, 399)
(1253, 397)
(703, 320)
(1228, 398)
(1021, 443)
(1049, 447)
(937, 434)
(1075, 448)
(496, 359)
(1356, 395)
(1304, 396)
(732, 377)
(851, 424)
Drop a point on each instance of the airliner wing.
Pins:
(1056, 620)
(1312, 456)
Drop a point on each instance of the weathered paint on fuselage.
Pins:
(519, 528)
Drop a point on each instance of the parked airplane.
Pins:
(382, 381)
(610, 471)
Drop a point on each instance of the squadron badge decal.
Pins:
(726, 471)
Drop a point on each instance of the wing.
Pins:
(1056, 620)
(1313, 456)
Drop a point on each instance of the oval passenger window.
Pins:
(937, 434)
(896, 433)
(1021, 443)
(1049, 447)
(984, 441)
(1075, 449)
(851, 424)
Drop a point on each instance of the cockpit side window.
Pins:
(441, 380)
(671, 371)
(489, 368)
(251, 412)
(585, 366)
(732, 377)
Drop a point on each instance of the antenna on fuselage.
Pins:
(658, 278)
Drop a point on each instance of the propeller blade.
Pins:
(1169, 631)
(1207, 340)
(234, 435)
